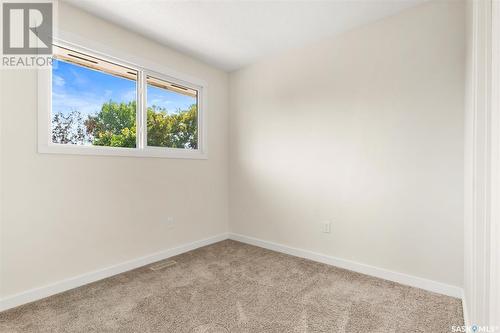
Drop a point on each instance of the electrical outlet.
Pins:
(170, 222)
(326, 227)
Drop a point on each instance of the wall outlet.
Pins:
(326, 227)
(169, 221)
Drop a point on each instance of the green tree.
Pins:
(68, 128)
(113, 126)
(177, 130)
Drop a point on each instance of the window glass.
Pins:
(172, 115)
(93, 101)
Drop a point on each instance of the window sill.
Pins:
(124, 152)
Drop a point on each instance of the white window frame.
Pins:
(143, 67)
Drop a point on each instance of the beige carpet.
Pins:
(234, 287)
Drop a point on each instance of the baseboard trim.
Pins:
(77, 281)
(409, 280)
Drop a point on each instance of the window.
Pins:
(94, 102)
(172, 115)
(104, 106)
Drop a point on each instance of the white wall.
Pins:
(482, 162)
(68, 215)
(365, 129)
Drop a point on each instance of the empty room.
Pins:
(250, 166)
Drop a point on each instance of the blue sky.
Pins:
(168, 99)
(78, 88)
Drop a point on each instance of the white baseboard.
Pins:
(409, 280)
(77, 281)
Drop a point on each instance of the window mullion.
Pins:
(144, 111)
(141, 95)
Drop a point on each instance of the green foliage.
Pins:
(115, 126)
(178, 130)
(126, 138)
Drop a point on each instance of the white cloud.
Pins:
(77, 78)
(159, 101)
(128, 96)
(58, 81)
(86, 104)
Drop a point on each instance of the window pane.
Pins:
(93, 101)
(172, 117)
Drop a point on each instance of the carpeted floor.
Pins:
(234, 287)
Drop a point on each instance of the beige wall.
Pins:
(365, 129)
(68, 215)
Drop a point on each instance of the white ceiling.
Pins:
(232, 34)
